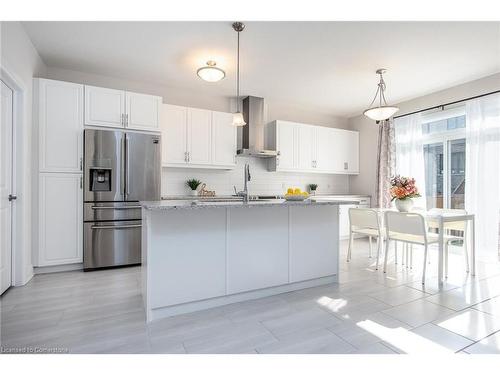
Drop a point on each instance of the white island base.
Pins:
(198, 258)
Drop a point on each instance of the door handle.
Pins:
(81, 164)
(116, 226)
(126, 166)
(12, 197)
(122, 166)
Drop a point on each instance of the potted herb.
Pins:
(403, 189)
(193, 184)
(312, 188)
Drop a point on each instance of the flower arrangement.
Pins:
(403, 188)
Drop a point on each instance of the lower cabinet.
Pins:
(313, 256)
(257, 258)
(60, 219)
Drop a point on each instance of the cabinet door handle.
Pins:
(81, 182)
(126, 119)
(189, 157)
(81, 164)
(346, 165)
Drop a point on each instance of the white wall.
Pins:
(262, 182)
(20, 59)
(364, 183)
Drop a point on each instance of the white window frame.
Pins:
(444, 138)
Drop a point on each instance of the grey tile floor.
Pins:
(366, 312)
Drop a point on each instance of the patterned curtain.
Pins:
(386, 163)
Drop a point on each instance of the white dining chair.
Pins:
(410, 228)
(459, 226)
(365, 221)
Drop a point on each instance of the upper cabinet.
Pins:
(104, 107)
(60, 125)
(309, 148)
(223, 139)
(197, 138)
(143, 111)
(121, 109)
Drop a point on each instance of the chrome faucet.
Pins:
(244, 192)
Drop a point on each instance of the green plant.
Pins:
(193, 183)
(313, 187)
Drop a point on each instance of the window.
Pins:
(444, 156)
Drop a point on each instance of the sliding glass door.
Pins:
(444, 157)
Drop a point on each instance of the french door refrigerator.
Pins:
(120, 169)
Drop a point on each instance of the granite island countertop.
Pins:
(178, 204)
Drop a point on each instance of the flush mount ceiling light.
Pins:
(211, 73)
(238, 119)
(382, 111)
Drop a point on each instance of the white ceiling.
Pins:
(324, 66)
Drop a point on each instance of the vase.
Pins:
(194, 193)
(313, 192)
(404, 205)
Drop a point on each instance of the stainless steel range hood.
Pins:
(253, 133)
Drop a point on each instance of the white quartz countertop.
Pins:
(178, 204)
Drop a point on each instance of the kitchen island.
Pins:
(201, 254)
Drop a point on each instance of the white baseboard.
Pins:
(163, 312)
(59, 268)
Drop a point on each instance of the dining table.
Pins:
(442, 219)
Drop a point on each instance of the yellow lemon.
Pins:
(305, 193)
(289, 191)
(297, 191)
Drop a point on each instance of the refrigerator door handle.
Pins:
(122, 166)
(127, 166)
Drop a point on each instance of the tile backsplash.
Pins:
(262, 181)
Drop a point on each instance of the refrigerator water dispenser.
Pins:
(100, 179)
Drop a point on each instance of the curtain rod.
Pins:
(447, 104)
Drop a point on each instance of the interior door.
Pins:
(5, 187)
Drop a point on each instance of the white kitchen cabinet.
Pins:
(199, 136)
(59, 113)
(121, 109)
(223, 139)
(142, 111)
(313, 256)
(326, 155)
(286, 136)
(60, 220)
(309, 148)
(305, 147)
(104, 107)
(173, 126)
(346, 144)
(257, 258)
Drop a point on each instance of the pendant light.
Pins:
(238, 119)
(382, 111)
(211, 73)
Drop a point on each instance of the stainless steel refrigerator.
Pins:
(121, 169)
